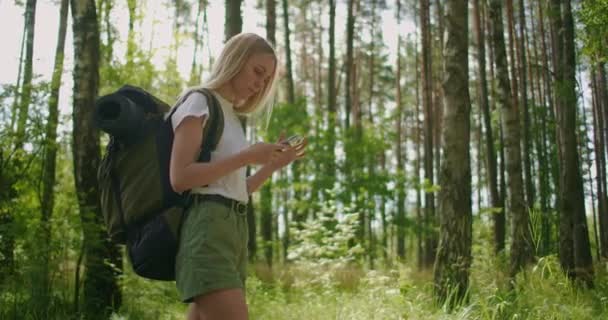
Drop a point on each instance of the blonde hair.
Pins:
(233, 57)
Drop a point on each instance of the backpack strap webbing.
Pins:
(214, 127)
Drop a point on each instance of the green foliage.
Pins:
(324, 242)
(594, 15)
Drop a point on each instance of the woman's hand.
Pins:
(288, 155)
(263, 153)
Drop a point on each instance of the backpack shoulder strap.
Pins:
(214, 128)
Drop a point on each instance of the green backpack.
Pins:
(139, 205)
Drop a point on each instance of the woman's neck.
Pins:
(226, 92)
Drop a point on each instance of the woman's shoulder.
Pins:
(195, 104)
(195, 97)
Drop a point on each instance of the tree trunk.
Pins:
(603, 94)
(50, 155)
(17, 94)
(132, 5)
(430, 239)
(103, 259)
(330, 166)
(523, 94)
(454, 251)
(600, 144)
(549, 111)
(418, 133)
(26, 87)
(511, 51)
(290, 87)
(107, 49)
(400, 218)
(271, 21)
(266, 221)
(252, 244)
(350, 30)
(438, 94)
(195, 71)
(498, 217)
(574, 236)
(521, 242)
(487, 120)
(233, 24)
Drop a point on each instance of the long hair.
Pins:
(233, 57)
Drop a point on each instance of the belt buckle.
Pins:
(240, 208)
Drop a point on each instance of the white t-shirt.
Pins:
(233, 140)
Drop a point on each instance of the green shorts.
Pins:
(212, 249)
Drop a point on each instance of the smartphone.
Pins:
(294, 140)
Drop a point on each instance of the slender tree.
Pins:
(348, 87)
(131, 44)
(400, 216)
(271, 21)
(50, 151)
(26, 87)
(454, 250)
(330, 169)
(523, 102)
(199, 28)
(289, 74)
(430, 241)
(17, 95)
(521, 242)
(575, 251)
(487, 120)
(266, 193)
(103, 259)
(599, 126)
(234, 20)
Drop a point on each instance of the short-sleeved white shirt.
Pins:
(233, 140)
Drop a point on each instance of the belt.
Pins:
(236, 206)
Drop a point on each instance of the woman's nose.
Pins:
(257, 84)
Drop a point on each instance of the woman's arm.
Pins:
(186, 173)
(255, 181)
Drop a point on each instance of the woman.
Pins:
(211, 262)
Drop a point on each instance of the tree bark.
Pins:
(330, 165)
(195, 70)
(17, 92)
(521, 242)
(575, 252)
(599, 124)
(291, 96)
(132, 5)
(454, 251)
(103, 259)
(523, 95)
(487, 121)
(26, 87)
(233, 24)
(549, 136)
(499, 217)
(350, 30)
(400, 218)
(417, 134)
(430, 239)
(50, 155)
(271, 21)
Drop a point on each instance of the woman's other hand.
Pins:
(289, 154)
(262, 152)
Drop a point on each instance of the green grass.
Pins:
(542, 292)
(326, 292)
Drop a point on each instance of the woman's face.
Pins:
(253, 77)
